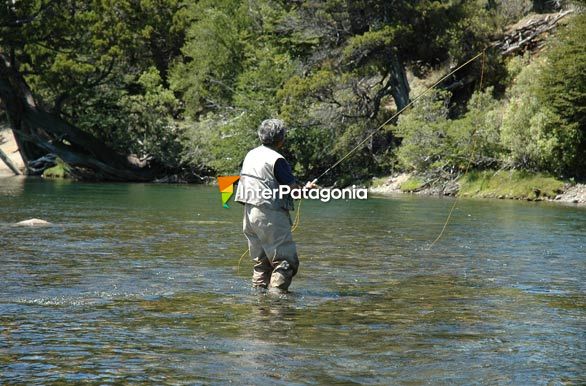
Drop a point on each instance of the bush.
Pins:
(544, 123)
(432, 142)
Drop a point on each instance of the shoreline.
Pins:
(402, 183)
(395, 184)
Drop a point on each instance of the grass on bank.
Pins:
(405, 182)
(513, 184)
(412, 184)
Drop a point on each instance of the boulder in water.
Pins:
(33, 222)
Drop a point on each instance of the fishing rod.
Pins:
(298, 214)
(481, 54)
(368, 137)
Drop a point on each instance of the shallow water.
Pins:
(139, 283)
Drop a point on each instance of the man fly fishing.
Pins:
(267, 223)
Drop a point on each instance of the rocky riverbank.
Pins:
(575, 194)
(410, 184)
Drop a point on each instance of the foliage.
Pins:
(212, 55)
(150, 129)
(544, 123)
(185, 84)
(563, 88)
(433, 142)
(109, 80)
(526, 132)
(538, 126)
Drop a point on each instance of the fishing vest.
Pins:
(257, 176)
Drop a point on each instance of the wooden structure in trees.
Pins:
(528, 35)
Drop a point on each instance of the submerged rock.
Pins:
(33, 222)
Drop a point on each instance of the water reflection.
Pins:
(13, 186)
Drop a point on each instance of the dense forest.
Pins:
(147, 89)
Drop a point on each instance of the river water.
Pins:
(139, 283)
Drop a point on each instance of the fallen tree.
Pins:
(528, 35)
(39, 133)
(6, 159)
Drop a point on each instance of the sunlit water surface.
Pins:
(139, 283)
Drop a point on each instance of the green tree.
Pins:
(544, 123)
(563, 88)
(212, 55)
(232, 67)
(432, 143)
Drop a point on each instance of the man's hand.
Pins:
(310, 185)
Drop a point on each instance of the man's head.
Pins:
(271, 132)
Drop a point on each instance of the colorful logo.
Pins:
(226, 186)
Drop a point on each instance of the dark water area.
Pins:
(139, 283)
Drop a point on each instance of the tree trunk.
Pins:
(39, 132)
(9, 163)
(399, 84)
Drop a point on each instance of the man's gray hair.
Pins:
(271, 131)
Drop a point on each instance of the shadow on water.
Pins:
(139, 284)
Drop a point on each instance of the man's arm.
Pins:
(283, 173)
(284, 176)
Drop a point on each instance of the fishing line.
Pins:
(396, 115)
(474, 141)
(295, 224)
(368, 137)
